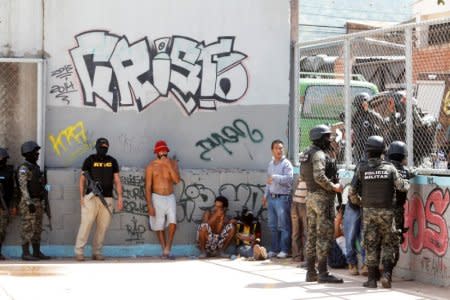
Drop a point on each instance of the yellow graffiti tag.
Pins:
(447, 104)
(74, 133)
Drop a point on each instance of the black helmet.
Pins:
(360, 98)
(3, 153)
(317, 132)
(375, 143)
(397, 147)
(28, 147)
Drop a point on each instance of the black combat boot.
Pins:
(37, 252)
(311, 274)
(386, 279)
(26, 253)
(324, 276)
(1, 255)
(372, 279)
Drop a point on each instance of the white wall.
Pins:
(430, 9)
(20, 28)
(211, 77)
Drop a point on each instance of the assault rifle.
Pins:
(96, 189)
(47, 210)
(3, 205)
(335, 179)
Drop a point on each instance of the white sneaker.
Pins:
(271, 254)
(282, 254)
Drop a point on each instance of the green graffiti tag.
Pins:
(229, 135)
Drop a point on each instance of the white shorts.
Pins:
(165, 206)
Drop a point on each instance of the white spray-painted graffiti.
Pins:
(135, 75)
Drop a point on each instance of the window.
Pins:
(439, 34)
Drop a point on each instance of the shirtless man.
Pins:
(216, 231)
(160, 176)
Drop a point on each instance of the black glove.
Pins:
(32, 208)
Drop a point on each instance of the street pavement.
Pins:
(188, 278)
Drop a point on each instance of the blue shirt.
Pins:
(282, 174)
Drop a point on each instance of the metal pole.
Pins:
(347, 103)
(293, 94)
(40, 118)
(409, 95)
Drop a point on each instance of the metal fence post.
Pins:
(347, 102)
(409, 94)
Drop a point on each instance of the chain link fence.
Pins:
(392, 82)
(18, 105)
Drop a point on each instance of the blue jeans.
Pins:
(245, 251)
(352, 233)
(279, 212)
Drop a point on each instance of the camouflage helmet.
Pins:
(28, 147)
(397, 147)
(3, 153)
(375, 143)
(317, 132)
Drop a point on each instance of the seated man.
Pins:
(216, 231)
(248, 236)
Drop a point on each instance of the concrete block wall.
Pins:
(129, 233)
(424, 254)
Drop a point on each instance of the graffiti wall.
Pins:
(424, 252)
(194, 194)
(209, 77)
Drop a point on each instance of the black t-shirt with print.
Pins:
(102, 170)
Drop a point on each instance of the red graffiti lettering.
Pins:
(427, 226)
(436, 205)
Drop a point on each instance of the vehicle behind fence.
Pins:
(405, 71)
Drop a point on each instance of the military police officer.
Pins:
(31, 203)
(317, 170)
(397, 154)
(7, 195)
(373, 187)
(365, 123)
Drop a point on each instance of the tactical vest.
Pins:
(377, 185)
(400, 197)
(34, 185)
(306, 168)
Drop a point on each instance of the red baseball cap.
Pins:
(160, 146)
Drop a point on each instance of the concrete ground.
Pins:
(188, 278)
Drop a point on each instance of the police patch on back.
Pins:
(376, 174)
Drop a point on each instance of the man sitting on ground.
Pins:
(216, 231)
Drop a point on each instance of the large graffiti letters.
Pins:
(247, 195)
(228, 135)
(427, 225)
(196, 198)
(122, 74)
